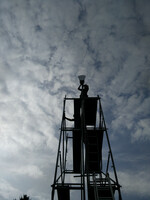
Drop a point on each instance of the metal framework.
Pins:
(82, 163)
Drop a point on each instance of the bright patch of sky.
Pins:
(45, 45)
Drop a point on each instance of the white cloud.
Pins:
(142, 130)
(135, 183)
(7, 191)
(132, 113)
(29, 170)
(44, 47)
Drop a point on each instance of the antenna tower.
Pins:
(85, 167)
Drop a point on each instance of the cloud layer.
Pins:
(44, 47)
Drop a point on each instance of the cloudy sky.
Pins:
(44, 46)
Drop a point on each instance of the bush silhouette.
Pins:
(25, 197)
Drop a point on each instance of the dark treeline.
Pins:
(24, 197)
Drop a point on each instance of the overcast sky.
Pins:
(44, 46)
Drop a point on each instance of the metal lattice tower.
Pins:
(80, 163)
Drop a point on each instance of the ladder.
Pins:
(103, 188)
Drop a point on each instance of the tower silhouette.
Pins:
(82, 164)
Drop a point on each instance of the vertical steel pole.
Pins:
(58, 152)
(82, 148)
(113, 163)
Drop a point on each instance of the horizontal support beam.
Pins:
(66, 98)
(87, 128)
